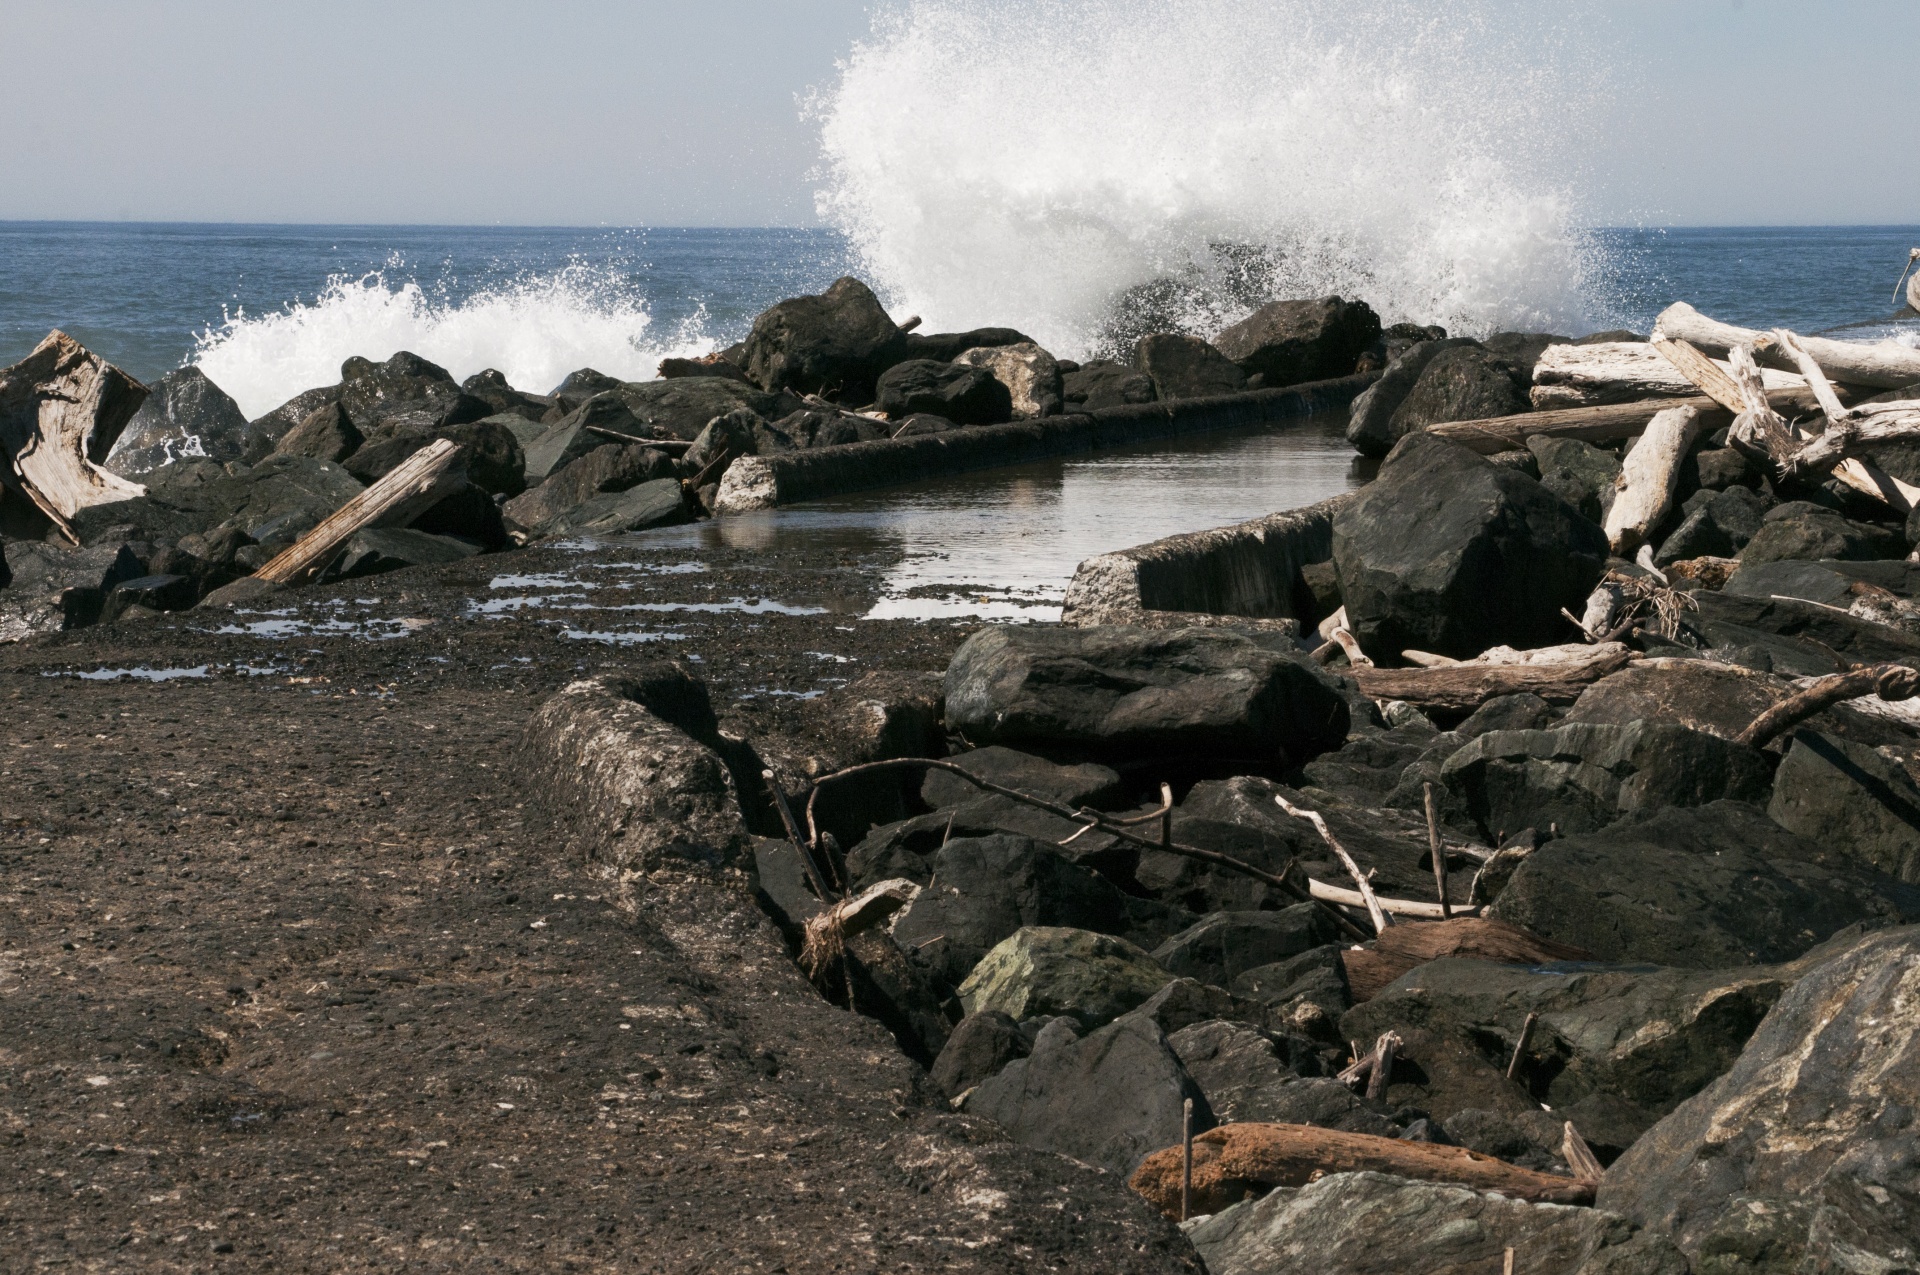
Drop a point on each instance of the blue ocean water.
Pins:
(271, 310)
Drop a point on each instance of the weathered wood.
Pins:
(1608, 423)
(1465, 687)
(1380, 921)
(1579, 1156)
(1437, 851)
(1384, 1051)
(61, 408)
(1405, 946)
(1649, 477)
(1520, 1046)
(1236, 1159)
(1885, 365)
(1415, 908)
(412, 487)
(1715, 380)
(1616, 372)
(659, 444)
(827, 932)
(1891, 682)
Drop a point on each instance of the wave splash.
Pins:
(1030, 161)
(535, 329)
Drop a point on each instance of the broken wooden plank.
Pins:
(61, 409)
(1885, 365)
(1231, 1160)
(1649, 477)
(1464, 687)
(411, 488)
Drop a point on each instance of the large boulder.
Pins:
(1852, 798)
(1709, 887)
(1374, 1224)
(405, 386)
(1445, 552)
(50, 587)
(377, 550)
(1030, 374)
(1126, 691)
(1803, 1156)
(1288, 342)
(1462, 384)
(491, 388)
(1186, 367)
(977, 1048)
(659, 503)
(1105, 383)
(1579, 473)
(1714, 524)
(986, 889)
(1370, 421)
(327, 433)
(1249, 1074)
(1109, 1100)
(963, 395)
(945, 347)
(1807, 532)
(1085, 784)
(1582, 777)
(681, 407)
(607, 469)
(1224, 945)
(186, 417)
(1043, 971)
(578, 433)
(1827, 582)
(492, 456)
(836, 344)
(277, 500)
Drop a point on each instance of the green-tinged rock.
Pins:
(1050, 970)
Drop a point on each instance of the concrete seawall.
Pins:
(764, 482)
(1242, 574)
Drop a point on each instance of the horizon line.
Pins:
(646, 226)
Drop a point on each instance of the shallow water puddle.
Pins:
(138, 674)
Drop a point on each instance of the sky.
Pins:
(636, 112)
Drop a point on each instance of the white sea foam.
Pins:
(535, 329)
(1024, 161)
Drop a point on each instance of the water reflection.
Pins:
(1004, 544)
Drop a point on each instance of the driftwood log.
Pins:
(1616, 372)
(1891, 682)
(1649, 477)
(1415, 908)
(827, 931)
(1609, 423)
(1404, 946)
(405, 492)
(1236, 1161)
(1367, 896)
(1465, 687)
(61, 409)
(1887, 365)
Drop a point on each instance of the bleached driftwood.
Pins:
(1367, 896)
(408, 490)
(61, 408)
(1649, 476)
(1913, 284)
(1392, 907)
(1617, 372)
(1608, 423)
(1464, 687)
(1848, 428)
(1886, 365)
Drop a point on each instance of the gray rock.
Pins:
(660, 503)
(1808, 532)
(1086, 784)
(1717, 524)
(1507, 712)
(1370, 421)
(277, 499)
(572, 437)
(1462, 384)
(1186, 367)
(1225, 945)
(1373, 1224)
(963, 395)
(1584, 776)
(1446, 553)
(491, 388)
(1111, 1099)
(1851, 798)
(1715, 886)
(1288, 342)
(1803, 1157)
(1104, 383)
(1030, 375)
(1803, 638)
(948, 346)
(405, 385)
(1829, 583)
(265, 431)
(1316, 977)
(1724, 467)
(1048, 970)
(491, 455)
(837, 344)
(1579, 473)
(978, 1048)
(984, 890)
(1185, 1001)
(51, 587)
(376, 550)
(186, 417)
(328, 433)
(681, 407)
(607, 469)
(1125, 691)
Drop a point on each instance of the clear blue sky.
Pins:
(585, 112)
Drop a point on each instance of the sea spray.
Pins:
(533, 328)
(1026, 162)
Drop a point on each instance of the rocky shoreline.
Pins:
(1597, 953)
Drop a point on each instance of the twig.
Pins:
(1506, 1267)
(1351, 645)
(1889, 681)
(661, 444)
(1438, 851)
(1166, 815)
(799, 843)
(1186, 1158)
(1380, 921)
(1520, 1046)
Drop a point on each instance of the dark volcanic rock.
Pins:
(1111, 1099)
(1804, 639)
(328, 433)
(835, 344)
(491, 454)
(405, 385)
(1104, 383)
(491, 388)
(945, 347)
(1293, 341)
(1717, 524)
(1370, 421)
(1803, 1156)
(978, 1047)
(278, 499)
(985, 889)
(1447, 553)
(377, 550)
(1225, 945)
(51, 587)
(1714, 886)
(609, 468)
(1462, 384)
(1507, 712)
(681, 408)
(1849, 797)
(1803, 531)
(1086, 784)
(186, 417)
(1186, 367)
(1579, 473)
(1829, 583)
(1583, 777)
(659, 503)
(264, 431)
(1124, 691)
(964, 395)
